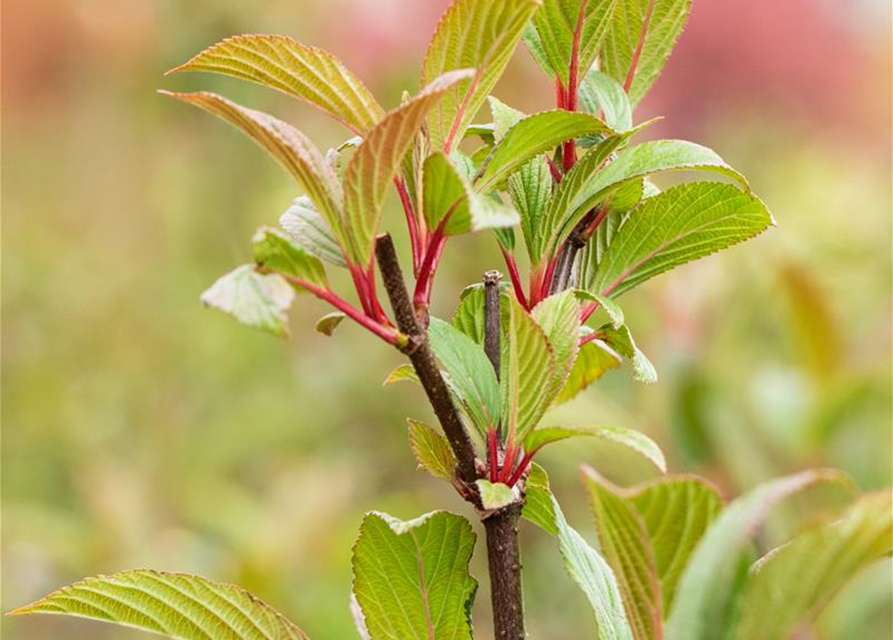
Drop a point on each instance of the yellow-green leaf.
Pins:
(571, 33)
(175, 605)
(255, 299)
(476, 34)
(307, 73)
(630, 438)
(373, 165)
(274, 250)
(431, 450)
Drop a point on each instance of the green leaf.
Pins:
(677, 512)
(469, 316)
(600, 94)
(447, 193)
(704, 593)
(572, 32)
(496, 495)
(595, 578)
(559, 318)
(171, 604)
(681, 224)
(254, 299)
(644, 31)
(275, 250)
(538, 507)
(431, 450)
(468, 373)
(594, 359)
(411, 578)
(477, 34)
(596, 186)
(615, 313)
(307, 73)
(374, 163)
(531, 136)
(287, 145)
(793, 582)
(403, 372)
(329, 322)
(527, 369)
(621, 340)
(623, 541)
(634, 440)
(310, 230)
(535, 46)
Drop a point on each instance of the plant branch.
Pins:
(504, 558)
(422, 359)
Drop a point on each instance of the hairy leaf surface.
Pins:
(176, 605)
(559, 318)
(310, 230)
(307, 73)
(641, 36)
(681, 224)
(255, 299)
(411, 577)
(600, 94)
(472, 34)
(373, 165)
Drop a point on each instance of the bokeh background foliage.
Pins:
(140, 430)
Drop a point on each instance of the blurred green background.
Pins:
(142, 431)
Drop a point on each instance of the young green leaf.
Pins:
(496, 495)
(791, 583)
(310, 230)
(287, 145)
(374, 163)
(623, 541)
(431, 450)
(254, 299)
(329, 322)
(594, 359)
(172, 604)
(615, 313)
(538, 507)
(634, 440)
(571, 33)
(274, 250)
(559, 318)
(527, 369)
(468, 373)
(640, 38)
(449, 200)
(531, 136)
(621, 340)
(677, 511)
(411, 578)
(705, 589)
(401, 373)
(535, 46)
(600, 94)
(478, 34)
(306, 73)
(681, 224)
(469, 316)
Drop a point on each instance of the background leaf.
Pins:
(677, 511)
(646, 31)
(255, 299)
(172, 604)
(307, 73)
(472, 34)
(704, 594)
(794, 581)
(411, 578)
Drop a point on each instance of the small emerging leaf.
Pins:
(329, 322)
(431, 450)
(274, 250)
(175, 605)
(254, 299)
(496, 495)
(403, 372)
